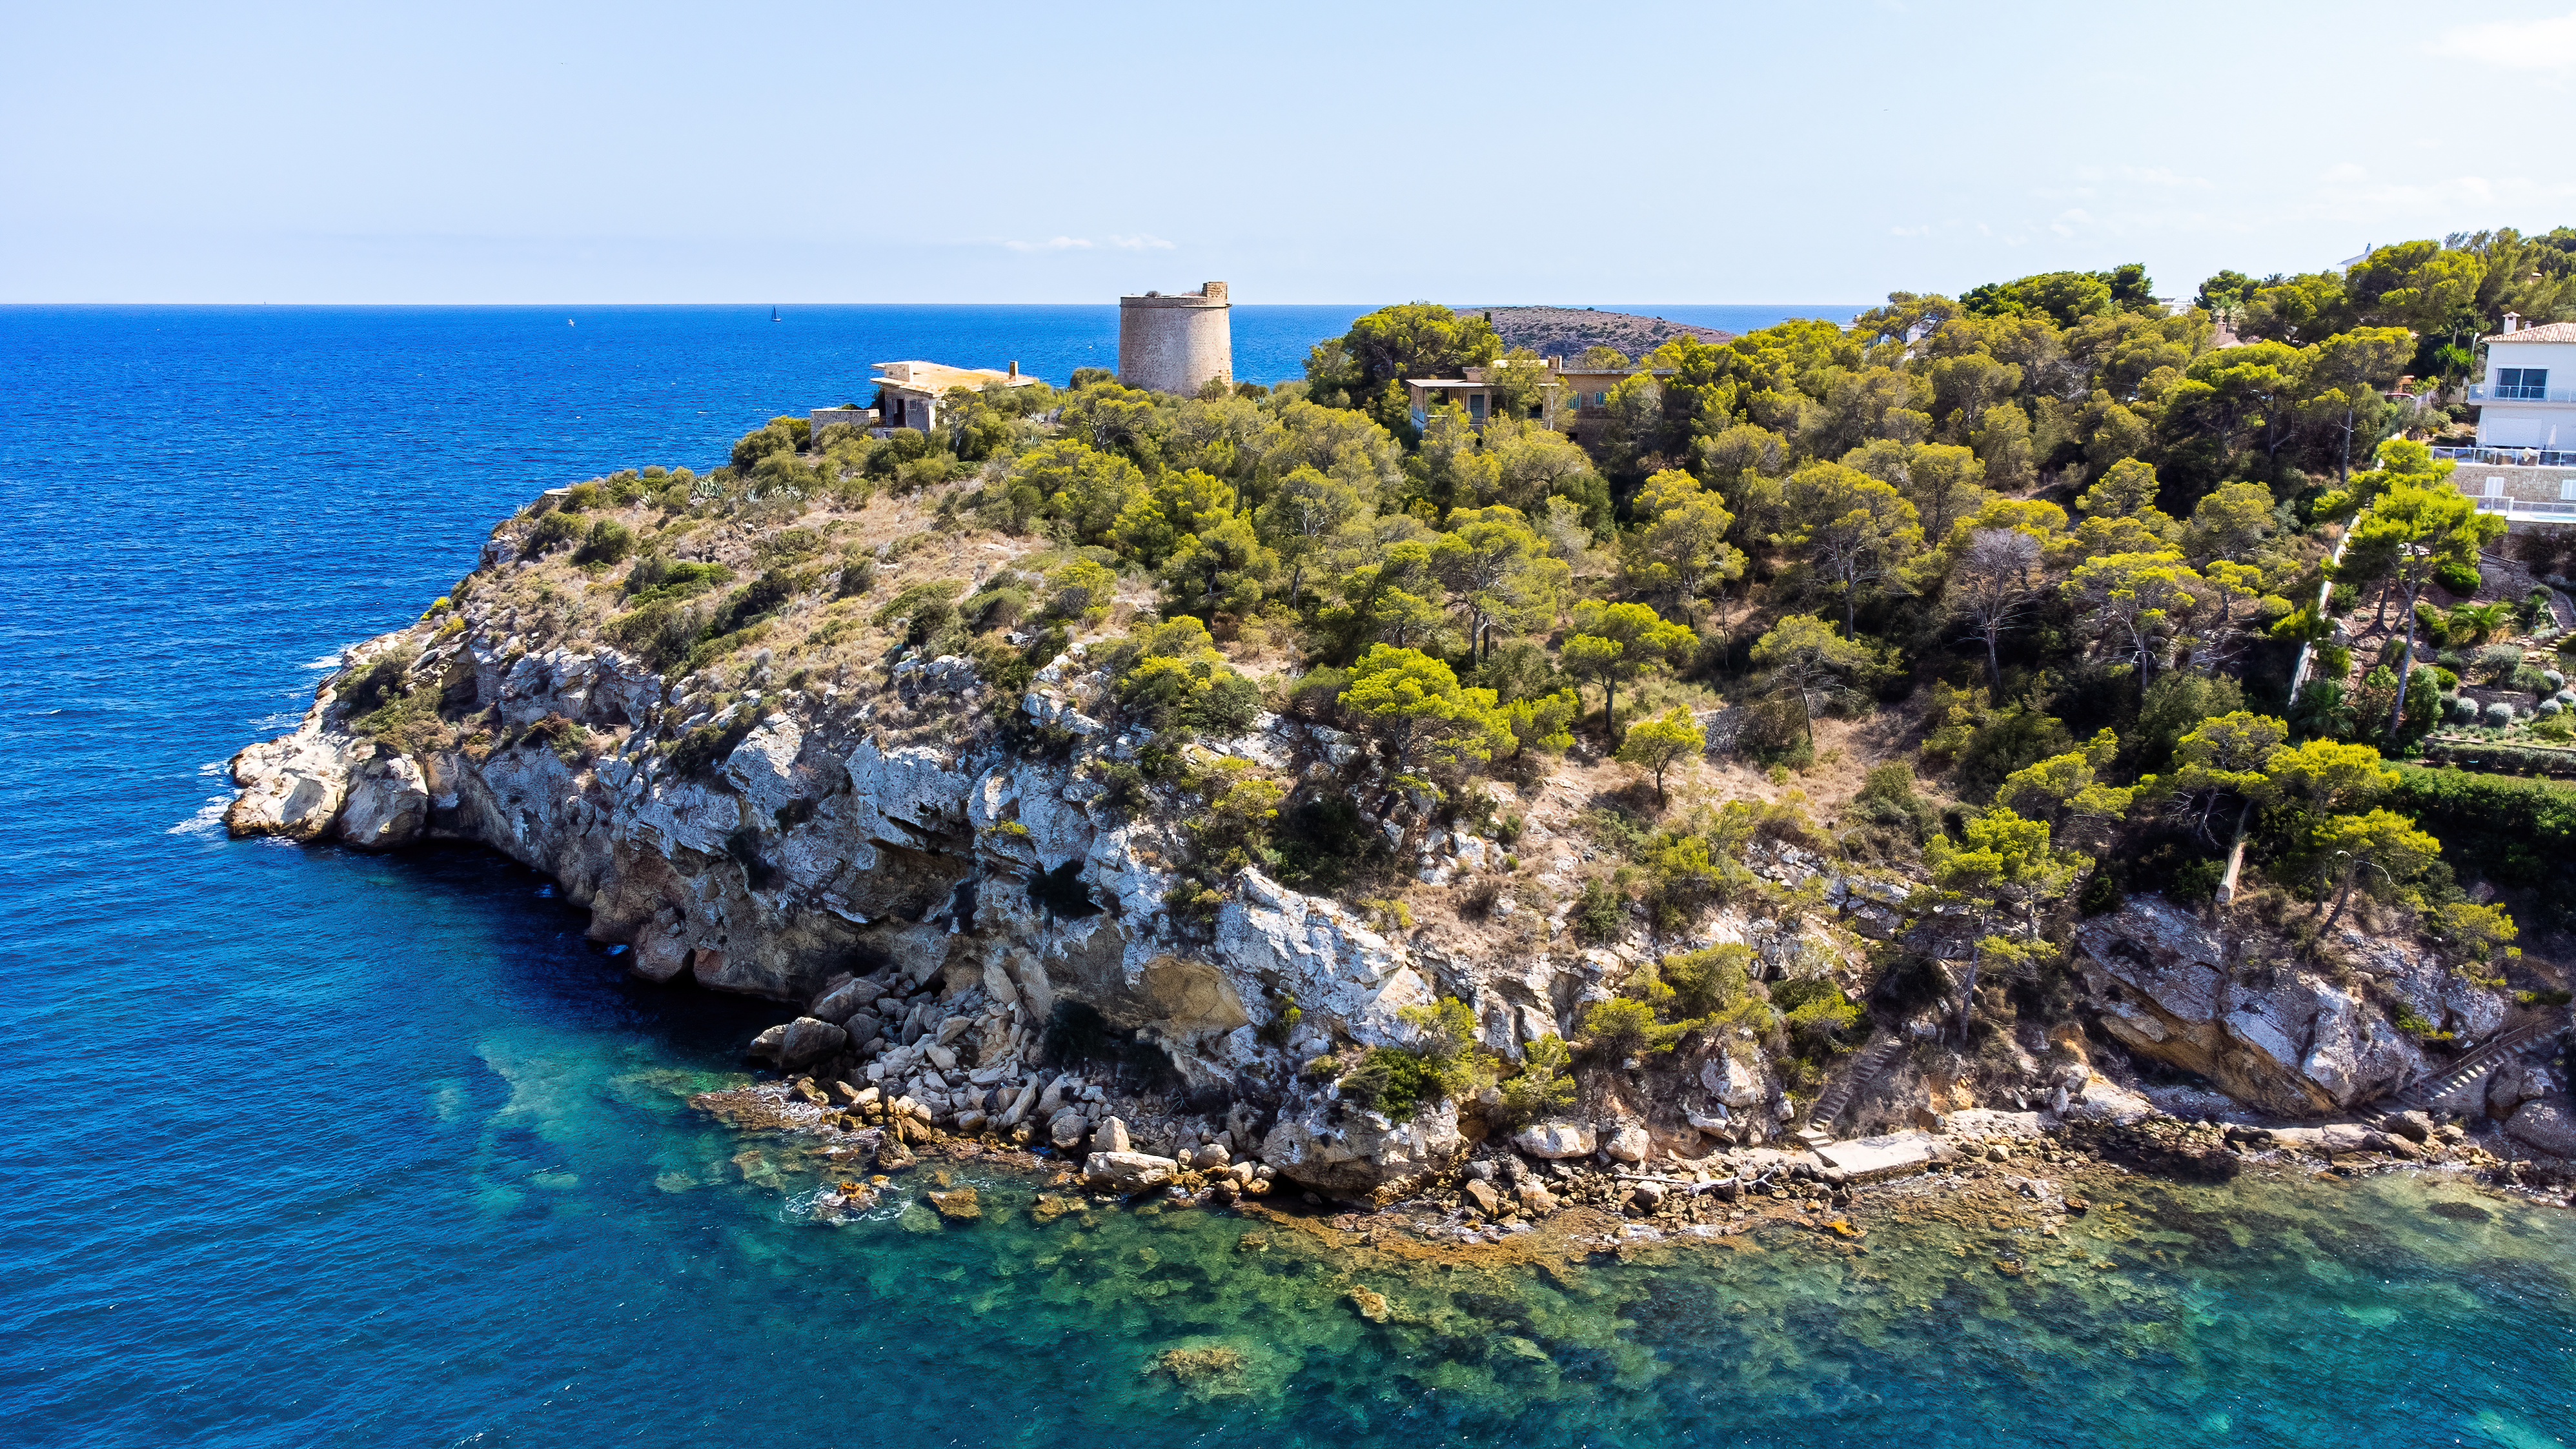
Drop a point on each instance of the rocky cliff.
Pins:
(936, 897)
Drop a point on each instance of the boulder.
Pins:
(1125, 1172)
(1485, 1199)
(1648, 1196)
(1113, 1136)
(1364, 1151)
(2545, 1124)
(806, 1041)
(958, 1206)
(1067, 1129)
(1555, 1140)
(1731, 1081)
(764, 1047)
(1626, 1141)
(843, 1002)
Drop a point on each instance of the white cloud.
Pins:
(1051, 244)
(1141, 242)
(2515, 44)
(1909, 231)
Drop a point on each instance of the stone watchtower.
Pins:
(1176, 343)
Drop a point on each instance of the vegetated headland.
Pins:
(1961, 739)
(1574, 332)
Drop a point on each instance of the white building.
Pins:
(2528, 401)
(908, 393)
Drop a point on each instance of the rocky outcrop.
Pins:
(816, 850)
(1354, 1153)
(2293, 1041)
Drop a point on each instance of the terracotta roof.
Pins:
(2546, 332)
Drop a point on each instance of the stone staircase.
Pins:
(1819, 1126)
(2478, 1064)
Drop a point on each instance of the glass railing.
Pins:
(2494, 392)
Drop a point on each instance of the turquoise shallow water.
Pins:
(308, 1147)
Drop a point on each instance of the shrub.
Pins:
(553, 531)
(1814, 1009)
(1441, 1063)
(1625, 1027)
(1541, 1088)
(655, 577)
(608, 542)
(702, 749)
(2499, 715)
(384, 678)
(2459, 578)
(1600, 914)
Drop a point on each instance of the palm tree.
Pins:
(2477, 623)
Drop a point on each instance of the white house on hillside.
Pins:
(2529, 397)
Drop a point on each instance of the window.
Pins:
(2567, 490)
(2495, 488)
(2522, 384)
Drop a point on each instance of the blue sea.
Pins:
(307, 1147)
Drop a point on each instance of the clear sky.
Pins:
(645, 152)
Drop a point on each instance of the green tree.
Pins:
(1175, 506)
(1306, 511)
(1682, 547)
(1416, 706)
(2381, 840)
(1659, 744)
(1497, 573)
(1612, 642)
(2135, 600)
(2231, 521)
(1808, 662)
(2344, 379)
(2066, 792)
(2229, 755)
(1855, 530)
(2420, 531)
(1221, 568)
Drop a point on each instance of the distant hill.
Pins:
(1566, 331)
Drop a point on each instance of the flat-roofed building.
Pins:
(908, 393)
(1475, 392)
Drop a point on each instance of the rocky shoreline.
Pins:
(977, 904)
(2015, 1179)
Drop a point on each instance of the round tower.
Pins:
(1176, 343)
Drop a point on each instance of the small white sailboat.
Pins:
(773, 313)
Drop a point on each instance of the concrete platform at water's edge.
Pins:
(1869, 1157)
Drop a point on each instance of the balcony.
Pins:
(2511, 457)
(2491, 393)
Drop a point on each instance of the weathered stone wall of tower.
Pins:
(1176, 343)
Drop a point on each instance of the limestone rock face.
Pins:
(2297, 1045)
(1363, 1151)
(387, 804)
(1731, 1081)
(1556, 1140)
(294, 785)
